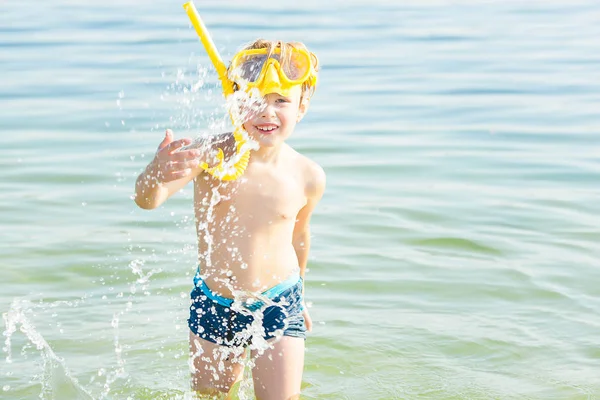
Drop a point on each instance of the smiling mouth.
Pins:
(267, 129)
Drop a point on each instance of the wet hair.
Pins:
(286, 53)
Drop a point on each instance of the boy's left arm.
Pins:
(301, 235)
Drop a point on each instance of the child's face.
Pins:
(272, 125)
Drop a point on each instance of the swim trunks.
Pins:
(219, 320)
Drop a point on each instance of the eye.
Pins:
(282, 100)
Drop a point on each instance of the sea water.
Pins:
(454, 254)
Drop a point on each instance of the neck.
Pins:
(267, 155)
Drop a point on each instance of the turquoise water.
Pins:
(455, 253)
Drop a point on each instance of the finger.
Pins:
(180, 166)
(177, 144)
(307, 321)
(176, 166)
(186, 155)
(168, 139)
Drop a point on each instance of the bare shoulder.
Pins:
(313, 175)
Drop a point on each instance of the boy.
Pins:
(253, 232)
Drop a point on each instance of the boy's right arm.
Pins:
(169, 171)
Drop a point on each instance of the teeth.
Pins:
(266, 128)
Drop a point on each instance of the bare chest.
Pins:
(264, 199)
(270, 199)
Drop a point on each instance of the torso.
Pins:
(245, 239)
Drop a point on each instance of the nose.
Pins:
(268, 110)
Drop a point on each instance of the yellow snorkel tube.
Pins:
(240, 160)
(210, 47)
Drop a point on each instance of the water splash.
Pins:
(119, 370)
(56, 380)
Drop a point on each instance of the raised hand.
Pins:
(169, 163)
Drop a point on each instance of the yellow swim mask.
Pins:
(267, 72)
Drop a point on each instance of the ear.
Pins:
(303, 108)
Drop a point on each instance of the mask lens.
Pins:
(297, 67)
(251, 66)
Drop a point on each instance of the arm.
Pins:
(168, 172)
(301, 236)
